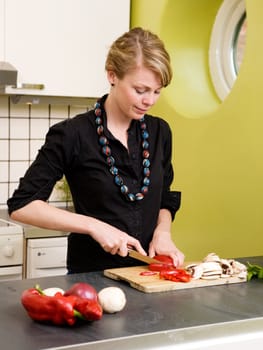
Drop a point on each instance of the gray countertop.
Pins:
(144, 313)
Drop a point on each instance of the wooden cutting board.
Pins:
(151, 284)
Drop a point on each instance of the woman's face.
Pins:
(136, 92)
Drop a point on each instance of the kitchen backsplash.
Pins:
(23, 128)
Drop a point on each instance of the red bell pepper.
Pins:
(91, 310)
(166, 263)
(160, 267)
(58, 309)
(176, 275)
(164, 259)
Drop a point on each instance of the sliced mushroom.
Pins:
(212, 267)
(239, 269)
(212, 257)
(211, 270)
(227, 269)
(196, 270)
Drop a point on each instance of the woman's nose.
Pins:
(149, 100)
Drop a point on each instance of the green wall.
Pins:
(218, 147)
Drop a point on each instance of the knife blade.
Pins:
(136, 255)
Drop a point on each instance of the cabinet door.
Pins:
(61, 44)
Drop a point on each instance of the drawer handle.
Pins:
(28, 86)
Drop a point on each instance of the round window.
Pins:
(227, 45)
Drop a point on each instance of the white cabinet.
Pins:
(46, 257)
(60, 44)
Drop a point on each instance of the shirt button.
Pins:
(133, 156)
(134, 182)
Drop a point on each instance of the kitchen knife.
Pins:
(136, 255)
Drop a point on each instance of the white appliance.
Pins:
(11, 251)
(46, 257)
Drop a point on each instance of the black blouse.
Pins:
(72, 149)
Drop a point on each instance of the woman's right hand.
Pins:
(113, 240)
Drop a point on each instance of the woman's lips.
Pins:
(140, 110)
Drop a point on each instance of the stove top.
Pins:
(7, 227)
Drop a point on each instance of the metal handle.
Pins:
(28, 86)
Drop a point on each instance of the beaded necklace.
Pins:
(106, 151)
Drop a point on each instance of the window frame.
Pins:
(222, 63)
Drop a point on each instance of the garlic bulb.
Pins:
(112, 299)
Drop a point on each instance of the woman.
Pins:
(117, 161)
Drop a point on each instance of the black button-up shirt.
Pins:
(72, 149)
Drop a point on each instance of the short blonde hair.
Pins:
(135, 46)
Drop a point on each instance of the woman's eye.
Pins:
(139, 91)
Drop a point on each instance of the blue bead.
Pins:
(145, 144)
(124, 189)
(146, 163)
(146, 181)
(103, 140)
(98, 121)
(114, 170)
(118, 180)
(145, 134)
(131, 197)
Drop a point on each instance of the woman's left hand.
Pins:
(162, 244)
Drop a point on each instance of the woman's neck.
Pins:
(117, 124)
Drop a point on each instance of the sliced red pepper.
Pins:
(148, 273)
(176, 275)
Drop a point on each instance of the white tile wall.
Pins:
(4, 150)
(4, 127)
(19, 128)
(22, 132)
(38, 128)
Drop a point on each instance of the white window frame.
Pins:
(221, 57)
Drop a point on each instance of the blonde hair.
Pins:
(139, 46)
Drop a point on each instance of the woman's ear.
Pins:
(111, 77)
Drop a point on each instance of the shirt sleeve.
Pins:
(171, 200)
(46, 170)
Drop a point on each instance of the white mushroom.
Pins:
(112, 299)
